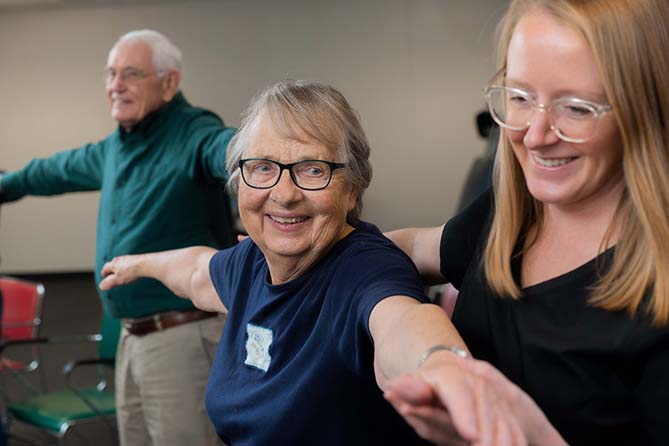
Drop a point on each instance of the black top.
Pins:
(601, 377)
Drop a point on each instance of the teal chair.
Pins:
(59, 411)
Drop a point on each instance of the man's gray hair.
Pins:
(166, 56)
(296, 109)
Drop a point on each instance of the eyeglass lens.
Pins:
(126, 75)
(572, 119)
(311, 174)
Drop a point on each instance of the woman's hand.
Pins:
(447, 404)
(120, 271)
(415, 400)
(532, 420)
(444, 399)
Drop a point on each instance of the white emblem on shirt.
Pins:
(257, 346)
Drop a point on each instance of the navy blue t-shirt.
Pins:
(295, 361)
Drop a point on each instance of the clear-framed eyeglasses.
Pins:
(128, 75)
(572, 119)
(261, 173)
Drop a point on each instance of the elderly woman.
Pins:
(563, 269)
(322, 309)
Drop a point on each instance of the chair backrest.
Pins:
(22, 308)
(110, 329)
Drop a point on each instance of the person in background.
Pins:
(563, 267)
(322, 309)
(479, 176)
(159, 174)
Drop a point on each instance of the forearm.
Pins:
(404, 238)
(11, 188)
(213, 156)
(448, 391)
(184, 271)
(403, 329)
(67, 171)
(422, 245)
(175, 269)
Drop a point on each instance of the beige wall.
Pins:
(412, 68)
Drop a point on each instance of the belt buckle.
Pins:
(158, 322)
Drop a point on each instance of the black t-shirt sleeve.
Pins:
(462, 235)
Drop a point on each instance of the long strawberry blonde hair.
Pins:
(630, 41)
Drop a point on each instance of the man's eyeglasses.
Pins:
(260, 173)
(128, 75)
(572, 119)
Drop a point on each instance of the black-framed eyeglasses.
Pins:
(261, 173)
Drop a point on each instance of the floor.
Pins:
(71, 306)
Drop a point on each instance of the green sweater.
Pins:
(156, 185)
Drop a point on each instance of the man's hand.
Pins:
(120, 271)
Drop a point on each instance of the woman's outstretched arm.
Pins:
(184, 271)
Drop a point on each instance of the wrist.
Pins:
(142, 266)
(441, 348)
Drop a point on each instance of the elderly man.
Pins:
(157, 174)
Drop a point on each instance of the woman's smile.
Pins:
(292, 226)
(554, 161)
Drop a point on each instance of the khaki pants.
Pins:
(161, 380)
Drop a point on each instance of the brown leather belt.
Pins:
(163, 321)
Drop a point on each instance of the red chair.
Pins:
(21, 319)
(58, 411)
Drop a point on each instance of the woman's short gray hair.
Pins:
(296, 108)
(166, 56)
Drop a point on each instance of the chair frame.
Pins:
(35, 324)
(68, 370)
